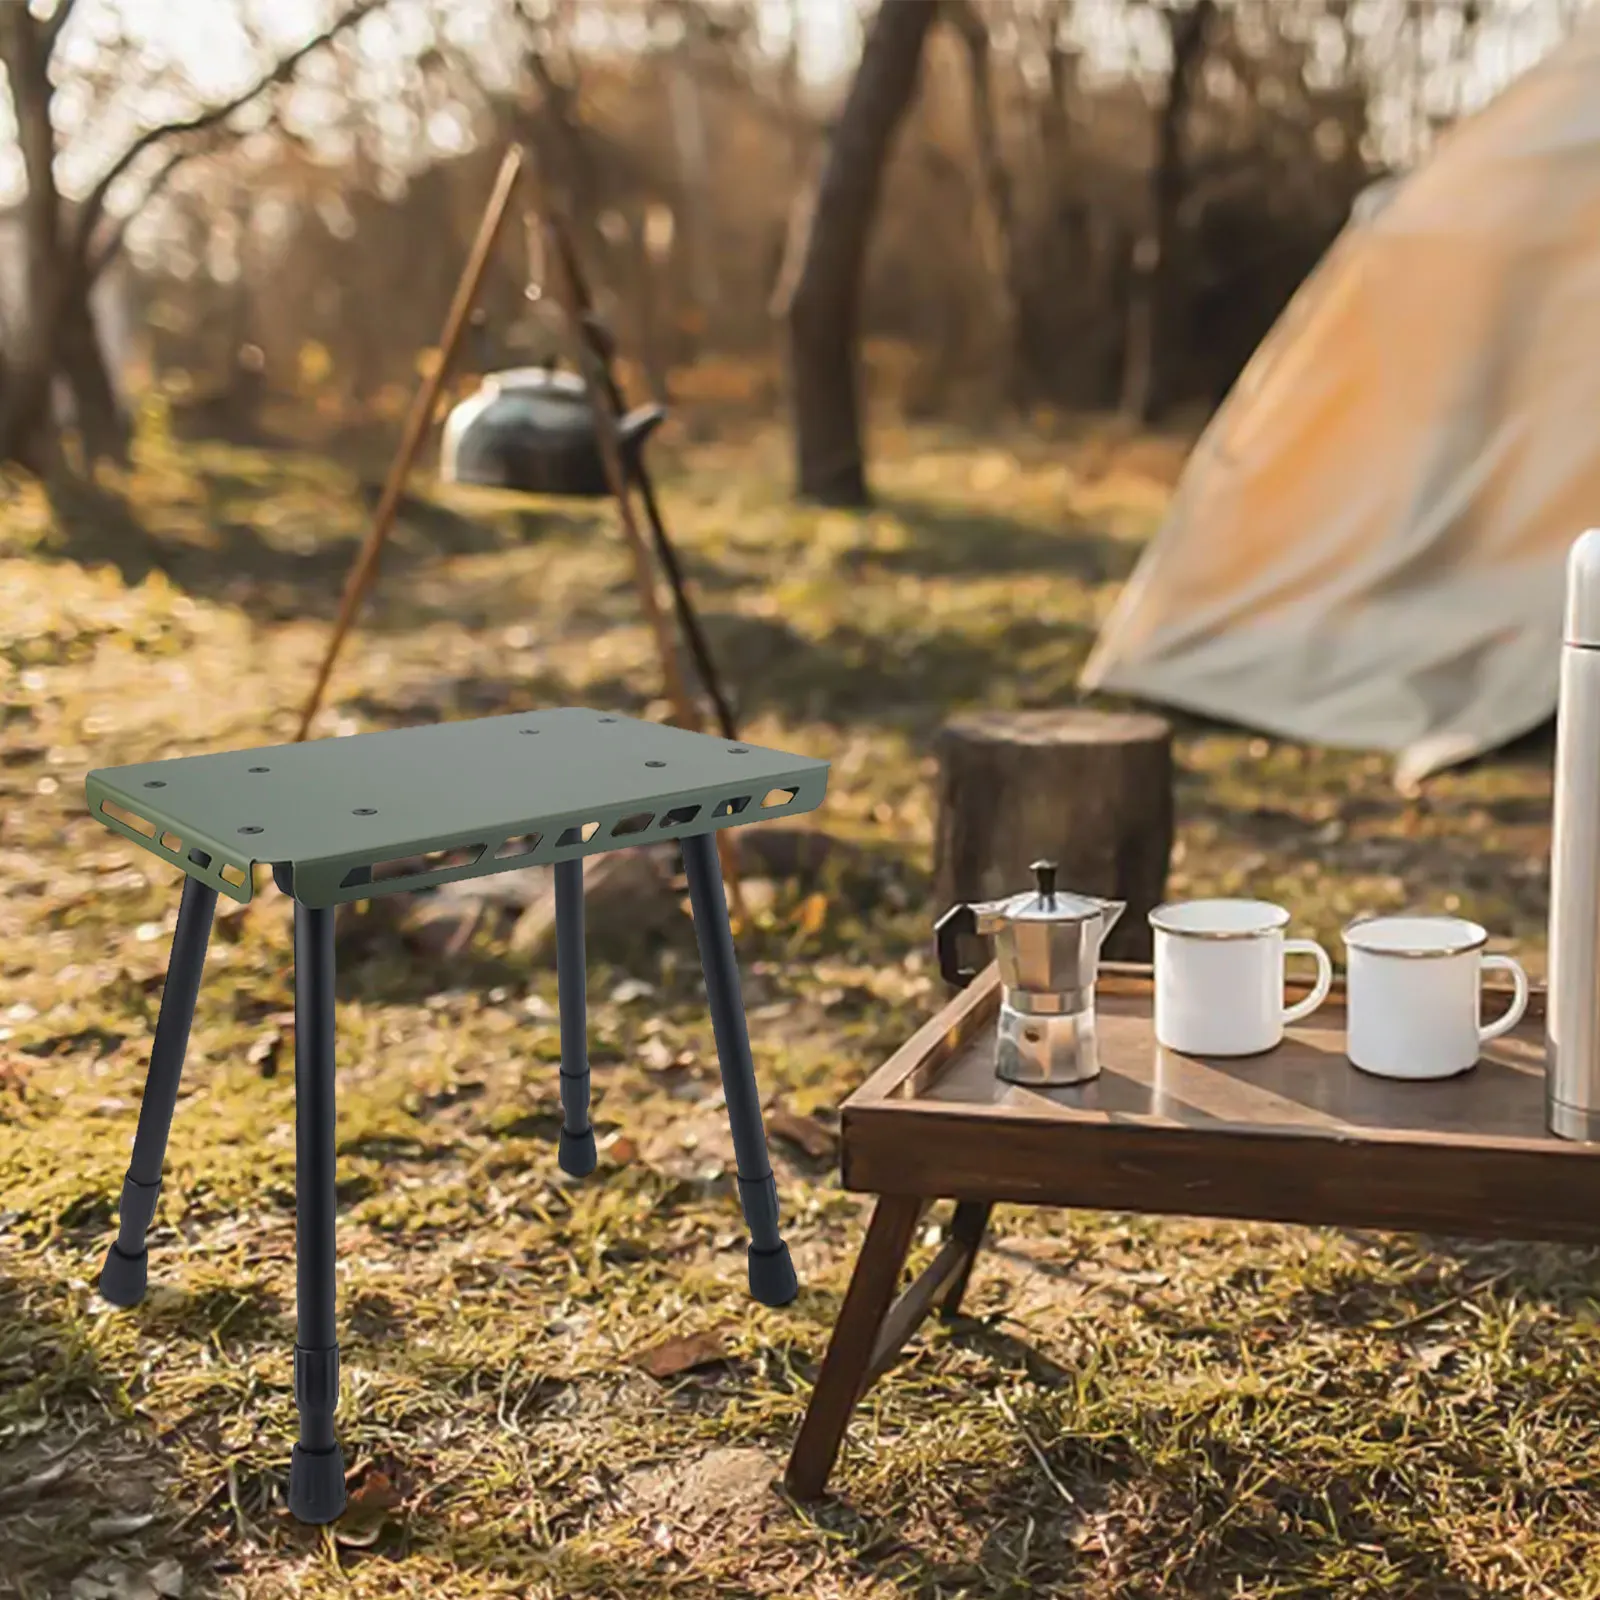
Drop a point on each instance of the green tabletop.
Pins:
(351, 817)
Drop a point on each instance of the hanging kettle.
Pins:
(532, 430)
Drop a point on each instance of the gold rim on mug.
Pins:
(1480, 935)
(1274, 923)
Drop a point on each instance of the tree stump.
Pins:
(1089, 790)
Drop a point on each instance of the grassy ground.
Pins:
(560, 1390)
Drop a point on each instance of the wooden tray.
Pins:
(1298, 1135)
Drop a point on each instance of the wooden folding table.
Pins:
(1297, 1135)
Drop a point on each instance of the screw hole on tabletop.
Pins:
(655, 763)
(365, 811)
(254, 827)
(738, 749)
(258, 769)
(608, 719)
(156, 783)
(530, 730)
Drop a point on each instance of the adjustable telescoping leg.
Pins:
(772, 1277)
(124, 1277)
(576, 1149)
(316, 1469)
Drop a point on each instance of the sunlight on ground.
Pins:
(1306, 1412)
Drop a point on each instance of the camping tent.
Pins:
(1366, 548)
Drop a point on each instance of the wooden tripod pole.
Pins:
(417, 422)
(568, 285)
(564, 282)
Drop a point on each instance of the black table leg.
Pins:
(772, 1276)
(576, 1150)
(316, 1469)
(124, 1277)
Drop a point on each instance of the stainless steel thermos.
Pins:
(1572, 1001)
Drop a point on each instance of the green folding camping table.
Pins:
(348, 819)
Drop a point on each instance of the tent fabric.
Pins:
(1367, 547)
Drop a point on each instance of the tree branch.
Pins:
(112, 248)
(50, 30)
(93, 207)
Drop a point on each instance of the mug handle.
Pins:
(1319, 991)
(1519, 1000)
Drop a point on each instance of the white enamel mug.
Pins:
(1415, 995)
(1220, 976)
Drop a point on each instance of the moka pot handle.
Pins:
(959, 922)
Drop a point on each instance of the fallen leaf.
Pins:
(806, 1132)
(1435, 1354)
(655, 1053)
(167, 1578)
(813, 913)
(375, 1492)
(35, 1483)
(367, 1510)
(359, 1533)
(114, 1582)
(119, 1525)
(622, 1151)
(682, 1355)
(264, 1053)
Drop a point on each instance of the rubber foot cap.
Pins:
(772, 1279)
(316, 1485)
(123, 1279)
(576, 1153)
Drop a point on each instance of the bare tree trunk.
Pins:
(655, 356)
(64, 256)
(103, 426)
(1144, 387)
(820, 290)
(694, 168)
(1001, 231)
(25, 42)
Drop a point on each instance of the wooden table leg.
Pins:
(124, 1277)
(845, 1367)
(971, 1218)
